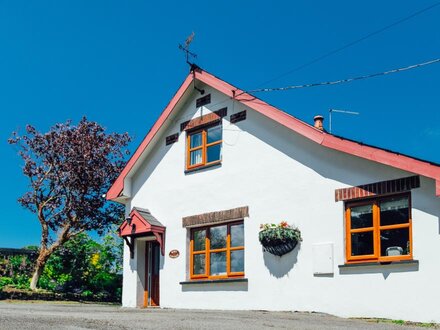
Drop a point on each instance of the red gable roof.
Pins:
(325, 139)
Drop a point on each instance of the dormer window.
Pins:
(204, 146)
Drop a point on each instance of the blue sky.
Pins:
(117, 62)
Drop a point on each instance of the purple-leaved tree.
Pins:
(70, 168)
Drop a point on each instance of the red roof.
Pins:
(325, 139)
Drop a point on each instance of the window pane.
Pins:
(394, 211)
(237, 235)
(214, 134)
(199, 237)
(394, 242)
(214, 153)
(237, 261)
(196, 140)
(196, 157)
(362, 216)
(362, 243)
(199, 264)
(218, 237)
(218, 263)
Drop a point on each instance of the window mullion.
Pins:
(204, 137)
(362, 230)
(348, 233)
(195, 148)
(397, 226)
(191, 256)
(228, 250)
(188, 150)
(208, 253)
(213, 143)
(376, 235)
(198, 252)
(410, 226)
(218, 250)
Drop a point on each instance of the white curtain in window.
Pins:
(394, 204)
(196, 157)
(361, 210)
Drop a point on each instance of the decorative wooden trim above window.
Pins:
(170, 139)
(204, 120)
(378, 188)
(236, 117)
(215, 217)
(201, 101)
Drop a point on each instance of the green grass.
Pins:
(404, 323)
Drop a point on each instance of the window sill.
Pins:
(380, 264)
(223, 280)
(201, 168)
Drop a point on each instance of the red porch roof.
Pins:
(141, 223)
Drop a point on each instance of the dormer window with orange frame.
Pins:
(204, 146)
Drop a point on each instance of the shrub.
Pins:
(87, 293)
(4, 281)
(82, 266)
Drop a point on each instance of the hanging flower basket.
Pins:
(279, 239)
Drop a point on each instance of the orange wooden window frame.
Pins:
(204, 147)
(207, 252)
(376, 229)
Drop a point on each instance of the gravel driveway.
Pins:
(35, 316)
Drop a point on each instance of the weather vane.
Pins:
(186, 50)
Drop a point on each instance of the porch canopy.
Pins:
(141, 224)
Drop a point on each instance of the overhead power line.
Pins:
(352, 43)
(346, 80)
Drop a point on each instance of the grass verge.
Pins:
(430, 325)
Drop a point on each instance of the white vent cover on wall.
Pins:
(323, 259)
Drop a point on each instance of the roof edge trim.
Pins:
(378, 155)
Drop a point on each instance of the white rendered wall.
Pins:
(280, 176)
(133, 276)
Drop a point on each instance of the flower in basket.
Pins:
(279, 239)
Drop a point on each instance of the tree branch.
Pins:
(62, 238)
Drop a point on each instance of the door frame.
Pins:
(152, 271)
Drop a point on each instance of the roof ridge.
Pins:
(142, 209)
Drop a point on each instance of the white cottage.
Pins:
(219, 162)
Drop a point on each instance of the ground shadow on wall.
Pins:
(280, 266)
(204, 287)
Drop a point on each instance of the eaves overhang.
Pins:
(393, 159)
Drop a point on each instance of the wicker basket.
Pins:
(281, 248)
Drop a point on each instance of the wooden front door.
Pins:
(152, 261)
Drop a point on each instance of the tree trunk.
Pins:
(39, 267)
